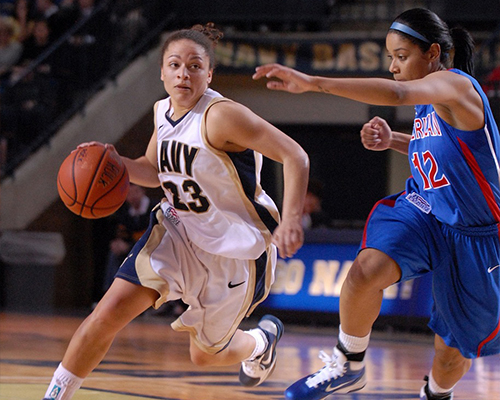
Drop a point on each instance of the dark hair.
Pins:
(435, 30)
(206, 36)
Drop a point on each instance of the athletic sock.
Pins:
(353, 347)
(436, 390)
(64, 384)
(261, 343)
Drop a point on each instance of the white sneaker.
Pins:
(425, 393)
(256, 371)
(337, 376)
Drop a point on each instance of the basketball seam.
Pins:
(92, 181)
(92, 207)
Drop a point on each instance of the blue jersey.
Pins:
(455, 173)
(448, 222)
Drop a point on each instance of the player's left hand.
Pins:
(288, 237)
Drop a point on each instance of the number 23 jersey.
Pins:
(216, 195)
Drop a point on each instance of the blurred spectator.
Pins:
(59, 19)
(47, 9)
(23, 14)
(130, 221)
(36, 44)
(10, 48)
(30, 101)
(313, 215)
(7, 8)
(89, 47)
(129, 25)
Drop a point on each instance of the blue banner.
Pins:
(311, 281)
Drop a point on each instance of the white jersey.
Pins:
(216, 195)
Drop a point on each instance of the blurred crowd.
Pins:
(52, 51)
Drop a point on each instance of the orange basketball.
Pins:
(93, 181)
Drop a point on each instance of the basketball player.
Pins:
(446, 221)
(212, 241)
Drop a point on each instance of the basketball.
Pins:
(93, 182)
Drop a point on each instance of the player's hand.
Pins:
(290, 80)
(87, 144)
(95, 143)
(376, 134)
(288, 237)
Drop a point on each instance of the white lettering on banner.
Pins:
(245, 56)
(323, 57)
(327, 279)
(290, 56)
(320, 54)
(289, 277)
(362, 56)
(346, 59)
(370, 56)
(225, 53)
(406, 290)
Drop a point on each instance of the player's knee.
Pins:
(449, 359)
(201, 359)
(373, 269)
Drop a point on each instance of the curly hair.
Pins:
(206, 36)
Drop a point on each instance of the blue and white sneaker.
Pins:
(256, 371)
(425, 393)
(337, 376)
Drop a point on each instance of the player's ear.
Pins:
(210, 74)
(434, 52)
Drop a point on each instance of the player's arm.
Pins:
(440, 87)
(143, 170)
(233, 127)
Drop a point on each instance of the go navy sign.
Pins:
(312, 280)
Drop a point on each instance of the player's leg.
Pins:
(122, 303)
(255, 349)
(360, 302)
(363, 290)
(448, 367)
(240, 348)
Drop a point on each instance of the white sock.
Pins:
(64, 384)
(353, 344)
(260, 343)
(434, 388)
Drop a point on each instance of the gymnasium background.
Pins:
(52, 261)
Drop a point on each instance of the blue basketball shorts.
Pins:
(465, 264)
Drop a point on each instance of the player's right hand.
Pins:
(290, 80)
(376, 135)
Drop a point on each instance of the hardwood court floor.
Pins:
(150, 361)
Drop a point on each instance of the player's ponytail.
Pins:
(464, 50)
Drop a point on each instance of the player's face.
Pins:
(185, 72)
(408, 62)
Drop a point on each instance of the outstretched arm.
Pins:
(441, 87)
(377, 91)
(233, 127)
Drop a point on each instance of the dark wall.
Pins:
(354, 178)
